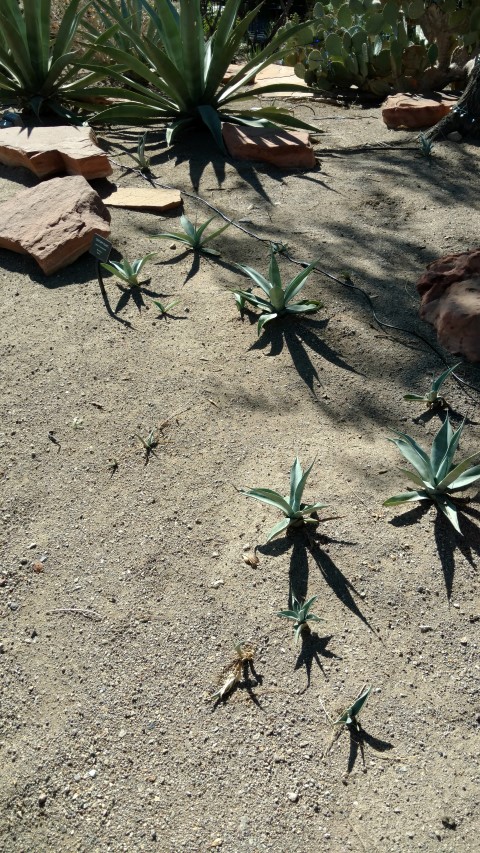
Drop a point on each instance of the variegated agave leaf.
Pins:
(436, 474)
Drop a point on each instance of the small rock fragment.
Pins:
(455, 136)
(292, 796)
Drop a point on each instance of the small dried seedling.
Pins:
(432, 398)
(234, 671)
(300, 615)
(126, 272)
(193, 237)
(435, 475)
(296, 513)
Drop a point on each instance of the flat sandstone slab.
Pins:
(143, 198)
(414, 112)
(47, 151)
(282, 148)
(53, 222)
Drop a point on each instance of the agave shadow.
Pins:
(313, 648)
(358, 738)
(300, 335)
(448, 540)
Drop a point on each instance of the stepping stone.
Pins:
(282, 148)
(450, 292)
(53, 222)
(281, 74)
(47, 151)
(143, 198)
(414, 112)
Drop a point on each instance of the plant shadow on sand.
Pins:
(358, 739)
(447, 539)
(302, 544)
(299, 335)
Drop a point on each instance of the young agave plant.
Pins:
(296, 513)
(300, 615)
(193, 237)
(128, 272)
(433, 398)
(278, 301)
(350, 715)
(435, 474)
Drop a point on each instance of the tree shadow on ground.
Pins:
(299, 336)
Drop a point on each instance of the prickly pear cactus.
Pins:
(381, 46)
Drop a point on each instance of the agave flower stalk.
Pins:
(300, 615)
(277, 301)
(296, 513)
(175, 74)
(432, 398)
(436, 476)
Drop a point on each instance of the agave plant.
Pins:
(296, 513)
(178, 76)
(435, 474)
(193, 237)
(433, 398)
(300, 615)
(37, 73)
(350, 715)
(279, 300)
(128, 272)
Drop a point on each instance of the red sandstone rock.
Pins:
(415, 112)
(54, 222)
(49, 151)
(450, 292)
(283, 148)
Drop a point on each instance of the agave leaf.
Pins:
(296, 473)
(446, 464)
(304, 307)
(467, 479)
(441, 445)
(413, 476)
(288, 614)
(116, 269)
(307, 510)
(211, 119)
(438, 382)
(217, 232)
(417, 457)
(259, 280)
(312, 617)
(308, 604)
(263, 319)
(350, 714)
(189, 229)
(300, 488)
(298, 282)
(139, 263)
(253, 299)
(415, 397)
(406, 497)
(278, 528)
(455, 473)
(274, 272)
(268, 496)
(449, 510)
